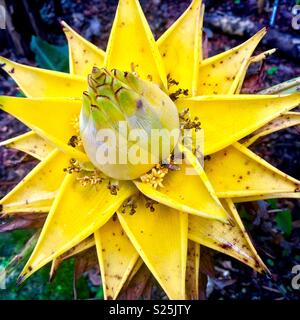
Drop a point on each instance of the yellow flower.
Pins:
(185, 211)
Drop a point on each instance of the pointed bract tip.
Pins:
(20, 280)
(63, 23)
(263, 31)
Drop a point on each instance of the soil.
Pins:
(94, 18)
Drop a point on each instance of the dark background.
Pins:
(278, 242)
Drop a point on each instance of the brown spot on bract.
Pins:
(225, 246)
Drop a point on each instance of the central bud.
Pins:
(127, 125)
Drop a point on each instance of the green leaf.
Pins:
(49, 56)
(284, 221)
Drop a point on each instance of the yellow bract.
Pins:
(226, 119)
(117, 257)
(36, 191)
(29, 143)
(287, 120)
(83, 55)
(230, 239)
(221, 74)
(129, 245)
(66, 226)
(192, 271)
(181, 46)
(131, 34)
(79, 248)
(238, 172)
(52, 119)
(40, 83)
(155, 236)
(188, 190)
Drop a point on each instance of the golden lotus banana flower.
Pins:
(152, 216)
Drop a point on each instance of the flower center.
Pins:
(127, 125)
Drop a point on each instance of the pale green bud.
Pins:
(123, 104)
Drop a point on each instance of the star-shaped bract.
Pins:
(199, 207)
